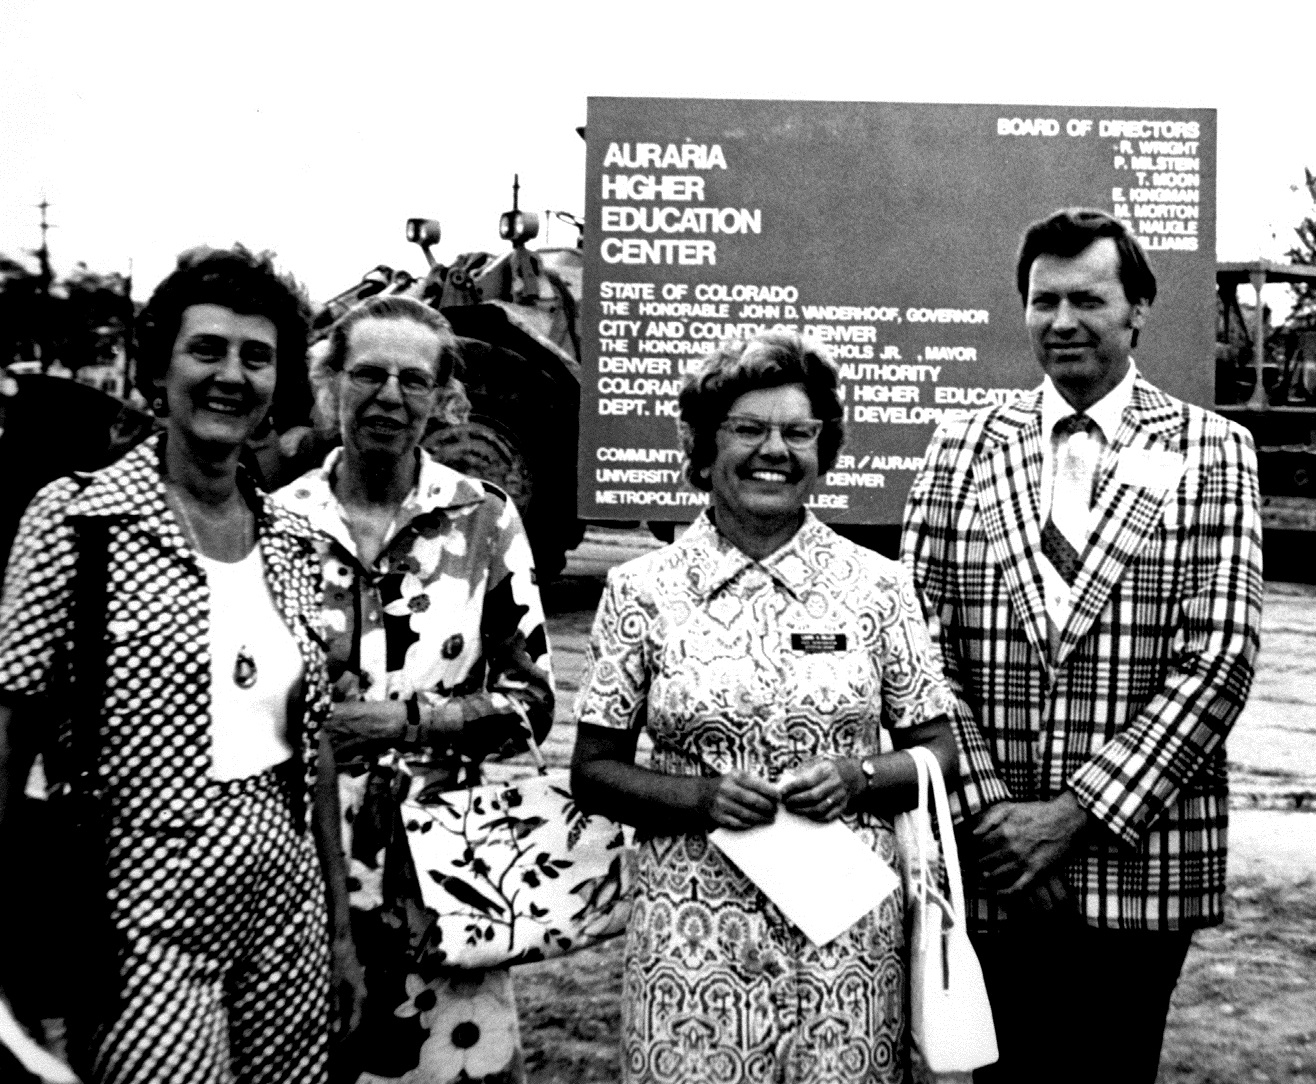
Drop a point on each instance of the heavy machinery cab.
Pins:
(517, 317)
(1266, 381)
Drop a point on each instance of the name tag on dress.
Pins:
(816, 643)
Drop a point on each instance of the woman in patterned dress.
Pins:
(211, 785)
(762, 652)
(438, 648)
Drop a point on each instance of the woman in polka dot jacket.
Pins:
(213, 773)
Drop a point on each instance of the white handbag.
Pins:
(950, 1017)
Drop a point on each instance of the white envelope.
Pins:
(822, 876)
(1149, 468)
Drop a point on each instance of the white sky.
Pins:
(317, 129)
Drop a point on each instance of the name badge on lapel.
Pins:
(1149, 468)
(817, 643)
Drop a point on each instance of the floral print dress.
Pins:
(731, 663)
(449, 612)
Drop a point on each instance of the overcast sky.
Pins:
(318, 129)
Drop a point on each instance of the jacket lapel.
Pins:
(1007, 480)
(1139, 473)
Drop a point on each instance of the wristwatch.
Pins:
(411, 730)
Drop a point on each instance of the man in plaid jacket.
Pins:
(1096, 683)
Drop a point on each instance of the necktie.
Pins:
(1065, 534)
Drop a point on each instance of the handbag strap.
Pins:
(541, 765)
(931, 781)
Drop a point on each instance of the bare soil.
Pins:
(1245, 1007)
(1244, 1011)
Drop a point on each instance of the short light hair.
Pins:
(328, 357)
(772, 359)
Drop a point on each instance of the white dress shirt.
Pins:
(1106, 413)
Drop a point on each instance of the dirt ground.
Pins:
(1245, 1008)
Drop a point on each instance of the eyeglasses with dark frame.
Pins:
(750, 431)
(415, 383)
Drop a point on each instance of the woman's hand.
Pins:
(347, 984)
(739, 800)
(821, 789)
(367, 720)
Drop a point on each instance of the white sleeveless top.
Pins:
(254, 666)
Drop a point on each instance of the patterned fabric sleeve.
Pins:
(913, 688)
(34, 615)
(927, 549)
(616, 683)
(1134, 777)
(519, 678)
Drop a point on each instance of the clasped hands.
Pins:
(820, 790)
(1019, 848)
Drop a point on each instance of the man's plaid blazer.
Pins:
(1152, 667)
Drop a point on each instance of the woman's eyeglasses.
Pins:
(751, 431)
(415, 383)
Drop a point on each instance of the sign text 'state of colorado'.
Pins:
(885, 232)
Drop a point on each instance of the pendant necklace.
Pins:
(244, 665)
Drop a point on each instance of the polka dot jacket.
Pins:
(155, 761)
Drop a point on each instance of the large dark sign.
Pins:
(886, 232)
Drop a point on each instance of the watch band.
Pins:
(411, 729)
(868, 766)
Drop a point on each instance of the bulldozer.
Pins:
(517, 319)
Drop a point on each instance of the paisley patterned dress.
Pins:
(731, 663)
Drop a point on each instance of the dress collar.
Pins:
(437, 488)
(787, 565)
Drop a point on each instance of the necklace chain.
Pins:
(245, 671)
(189, 526)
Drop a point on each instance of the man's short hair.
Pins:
(1069, 232)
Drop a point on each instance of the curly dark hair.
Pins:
(247, 283)
(769, 360)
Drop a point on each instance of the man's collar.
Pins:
(1106, 411)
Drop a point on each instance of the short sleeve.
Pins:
(616, 684)
(914, 689)
(35, 610)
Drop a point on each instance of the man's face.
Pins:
(1080, 323)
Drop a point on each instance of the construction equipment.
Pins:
(516, 315)
(1266, 381)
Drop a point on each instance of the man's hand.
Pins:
(822, 789)
(739, 800)
(1019, 843)
(347, 986)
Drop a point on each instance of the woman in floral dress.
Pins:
(762, 652)
(437, 645)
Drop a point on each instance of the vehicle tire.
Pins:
(483, 449)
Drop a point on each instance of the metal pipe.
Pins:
(1259, 400)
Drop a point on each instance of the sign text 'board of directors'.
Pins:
(887, 233)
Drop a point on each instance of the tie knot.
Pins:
(1071, 424)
